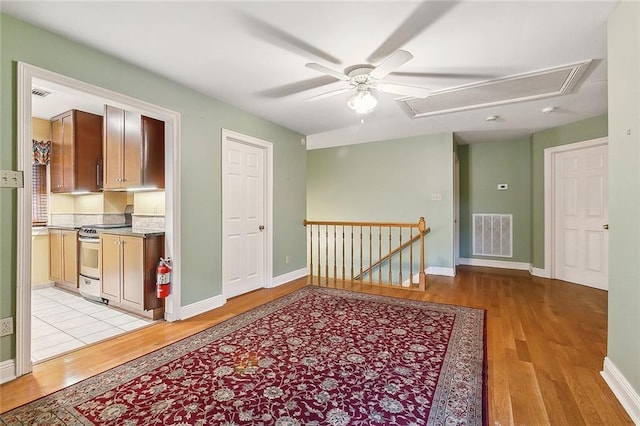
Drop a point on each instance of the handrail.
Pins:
(388, 256)
(357, 240)
(346, 223)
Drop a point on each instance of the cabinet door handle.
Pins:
(98, 175)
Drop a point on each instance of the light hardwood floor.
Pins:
(546, 341)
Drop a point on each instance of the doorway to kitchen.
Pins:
(27, 74)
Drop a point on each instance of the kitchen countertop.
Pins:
(133, 232)
(64, 227)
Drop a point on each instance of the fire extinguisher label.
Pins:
(163, 279)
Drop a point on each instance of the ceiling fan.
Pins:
(365, 78)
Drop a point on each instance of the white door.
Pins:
(244, 217)
(581, 216)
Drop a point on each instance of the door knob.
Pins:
(605, 226)
(261, 228)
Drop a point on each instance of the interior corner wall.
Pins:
(202, 119)
(391, 181)
(584, 130)
(482, 167)
(623, 345)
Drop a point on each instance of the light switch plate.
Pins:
(11, 179)
(503, 186)
(436, 197)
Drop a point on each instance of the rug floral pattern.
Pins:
(315, 357)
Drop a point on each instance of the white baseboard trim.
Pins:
(438, 270)
(538, 272)
(621, 388)
(201, 306)
(491, 263)
(288, 277)
(7, 370)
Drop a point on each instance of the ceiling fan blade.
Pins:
(403, 89)
(469, 76)
(393, 61)
(328, 71)
(328, 94)
(299, 86)
(280, 38)
(420, 19)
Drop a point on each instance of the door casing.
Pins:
(229, 136)
(549, 196)
(26, 74)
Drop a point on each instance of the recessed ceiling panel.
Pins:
(517, 88)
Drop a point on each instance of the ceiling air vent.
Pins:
(516, 88)
(40, 92)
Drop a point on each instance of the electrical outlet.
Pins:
(6, 326)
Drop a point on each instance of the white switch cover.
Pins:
(436, 197)
(503, 186)
(11, 179)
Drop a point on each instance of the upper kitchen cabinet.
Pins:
(76, 152)
(133, 150)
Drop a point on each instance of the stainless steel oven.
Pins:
(89, 260)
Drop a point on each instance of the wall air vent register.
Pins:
(493, 235)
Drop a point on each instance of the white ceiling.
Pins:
(252, 55)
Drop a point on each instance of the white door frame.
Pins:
(456, 212)
(267, 147)
(549, 197)
(26, 73)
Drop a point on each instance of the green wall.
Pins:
(200, 179)
(387, 181)
(623, 346)
(482, 167)
(584, 130)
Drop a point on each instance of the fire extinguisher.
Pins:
(163, 278)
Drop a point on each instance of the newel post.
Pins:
(422, 280)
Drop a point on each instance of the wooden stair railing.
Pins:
(345, 251)
(388, 257)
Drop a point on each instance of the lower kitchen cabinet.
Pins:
(63, 258)
(127, 269)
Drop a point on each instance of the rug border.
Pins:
(295, 295)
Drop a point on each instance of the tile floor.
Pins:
(62, 321)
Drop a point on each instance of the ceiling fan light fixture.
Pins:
(362, 102)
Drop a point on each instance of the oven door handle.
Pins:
(89, 240)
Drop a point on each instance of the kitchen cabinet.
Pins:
(76, 152)
(127, 272)
(63, 258)
(133, 150)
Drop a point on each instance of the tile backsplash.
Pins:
(78, 219)
(150, 222)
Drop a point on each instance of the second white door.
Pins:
(581, 216)
(244, 217)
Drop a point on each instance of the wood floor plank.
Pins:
(546, 341)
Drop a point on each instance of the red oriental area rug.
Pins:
(317, 356)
